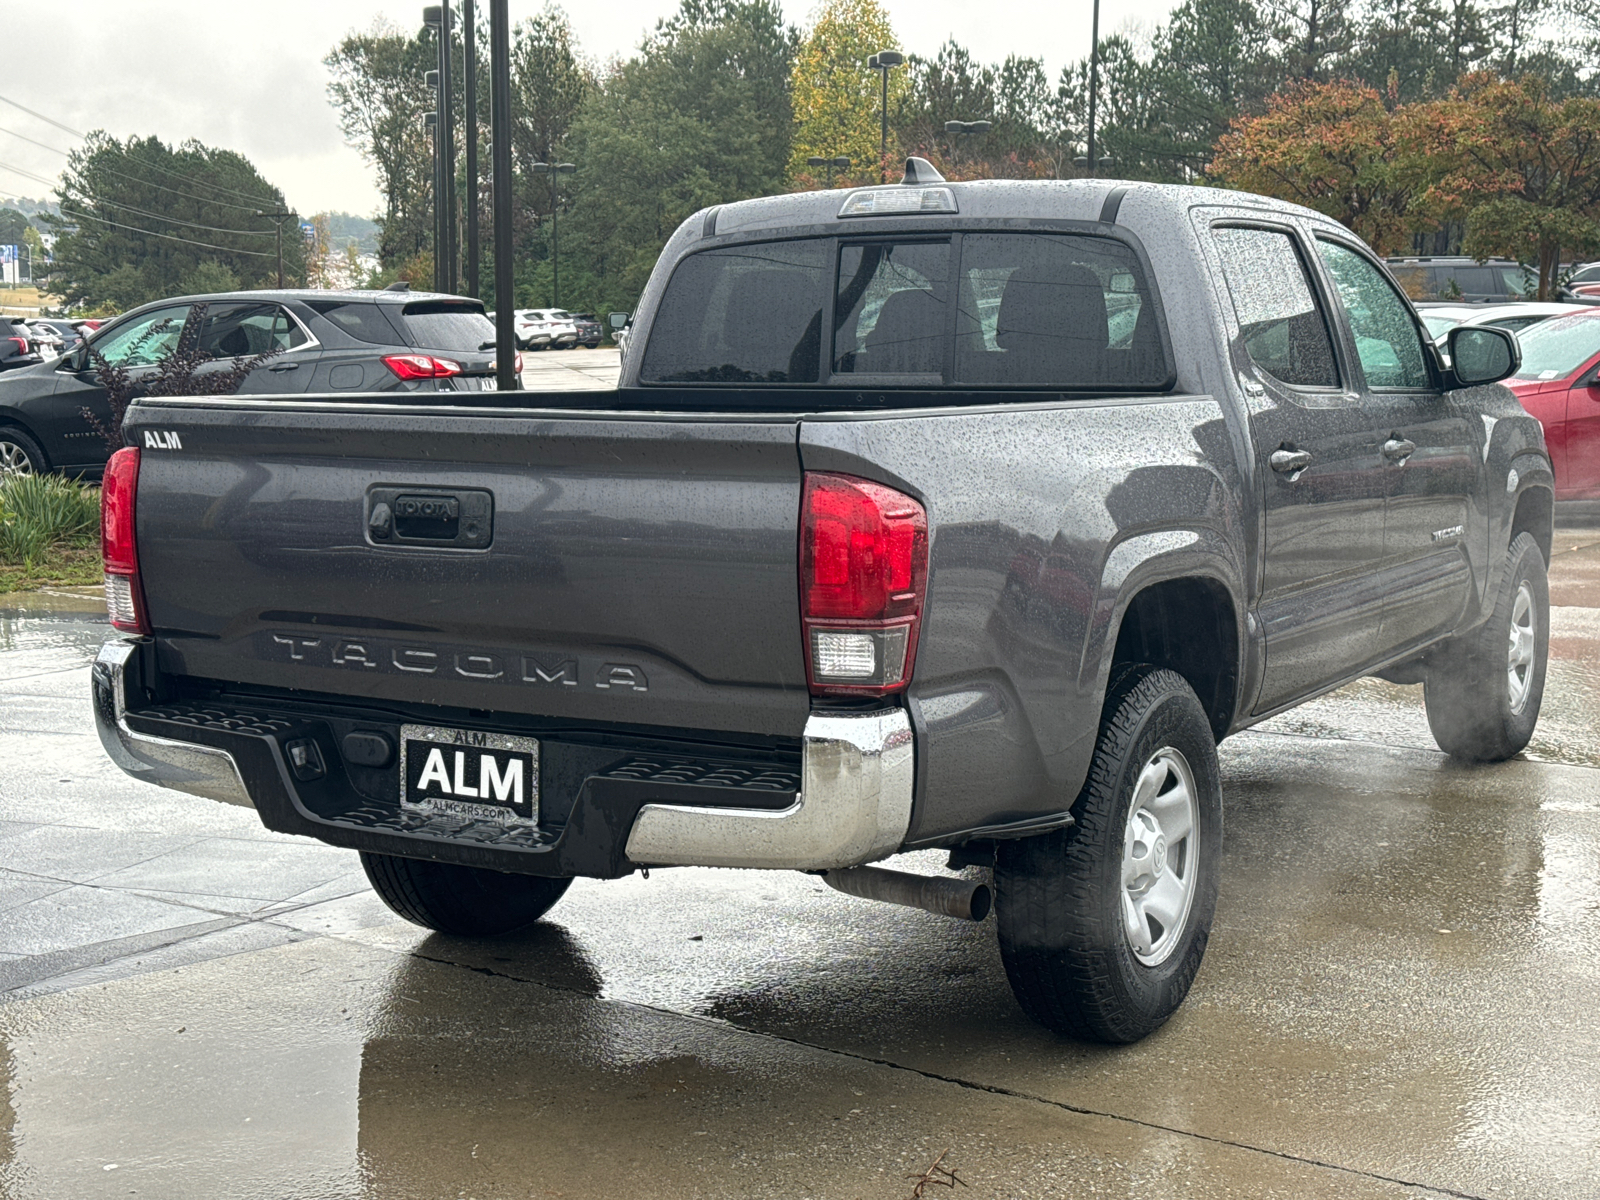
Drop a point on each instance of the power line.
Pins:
(77, 216)
(29, 174)
(124, 175)
(180, 221)
(78, 133)
(154, 167)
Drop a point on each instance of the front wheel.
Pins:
(469, 901)
(1103, 924)
(19, 454)
(1483, 691)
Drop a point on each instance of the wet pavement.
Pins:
(1399, 998)
(571, 370)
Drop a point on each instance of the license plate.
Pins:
(479, 383)
(471, 775)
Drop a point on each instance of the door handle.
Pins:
(284, 367)
(1290, 462)
(1398, 449)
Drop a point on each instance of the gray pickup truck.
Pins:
(955, 515)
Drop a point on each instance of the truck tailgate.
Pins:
(599, 566)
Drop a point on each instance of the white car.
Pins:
(543, 328)
(1442, 318)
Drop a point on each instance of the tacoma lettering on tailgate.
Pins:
(387, 656)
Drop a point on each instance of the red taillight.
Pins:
(21, 344)
(118, 545)
(863, 570)
(421, 366)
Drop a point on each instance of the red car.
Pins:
(1559, 383)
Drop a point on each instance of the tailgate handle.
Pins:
(433, 517)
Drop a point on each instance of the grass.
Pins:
(49, 532)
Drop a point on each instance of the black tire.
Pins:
(1475, 711)
(1059, 897)
(20, 454)
(467, 901)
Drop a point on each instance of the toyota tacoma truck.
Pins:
(966, 516)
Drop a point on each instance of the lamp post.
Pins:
(883, 61)
(430, 122)
(469, 38)
(837, 163)
(966, 129)
(1094, 83)
(438, 18)
(552, 170)
(505, 339)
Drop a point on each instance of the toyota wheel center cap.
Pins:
(1158, 855)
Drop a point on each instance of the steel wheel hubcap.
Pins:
(14, 460)
(1159, 859)
(1519, 659)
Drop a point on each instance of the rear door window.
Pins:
(890, 312)
(1284, 330)
(744, 314)
(447, 325)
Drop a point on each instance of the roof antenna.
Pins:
(400, 285)
(919, 171)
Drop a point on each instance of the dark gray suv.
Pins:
(320, 341)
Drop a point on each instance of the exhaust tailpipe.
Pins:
(961, 898)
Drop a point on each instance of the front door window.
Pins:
(145, 340)
(1387, 340)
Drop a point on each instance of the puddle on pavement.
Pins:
(50, 630)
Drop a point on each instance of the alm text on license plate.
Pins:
(469, 774)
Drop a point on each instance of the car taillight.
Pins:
(118, 545)
(421, 366)
(863, 571)
(21, 344)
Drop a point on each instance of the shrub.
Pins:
(38, 512)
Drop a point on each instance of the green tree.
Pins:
(837, 97)
(700, 116)
(12, 226)
(141, 220)
(380, 93)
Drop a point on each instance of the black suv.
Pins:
(589, 330)
(1494, 281)
(321, 341)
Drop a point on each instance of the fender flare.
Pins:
(1142, 560)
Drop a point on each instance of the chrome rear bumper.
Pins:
(854, 804)
(854, 807)
(183, 766)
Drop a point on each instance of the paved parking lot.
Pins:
(1399, 997)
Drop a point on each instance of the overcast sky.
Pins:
(249, 76)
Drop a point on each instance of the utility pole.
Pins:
(1094, 83)
(505, 341)
(882, 61)
(447, 127)
(431, 121)
(469, 38)
(552, 170)
(277, 223)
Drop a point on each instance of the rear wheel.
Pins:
(468, 901)
(1103, 925)
(20, 454)
(1483, 691)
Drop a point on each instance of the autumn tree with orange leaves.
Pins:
(1331, 147)
(1520, 169)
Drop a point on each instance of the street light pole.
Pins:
(505, 341)
(552, 170)
(837, 163)
(447, 130)
(967, 128)
(1094, 82)
(882, 61)
(469, 18)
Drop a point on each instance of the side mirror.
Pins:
(1483, 354)
(618, 320)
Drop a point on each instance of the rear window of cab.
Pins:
(1033, 310)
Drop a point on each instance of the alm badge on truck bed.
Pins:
(470, 775)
